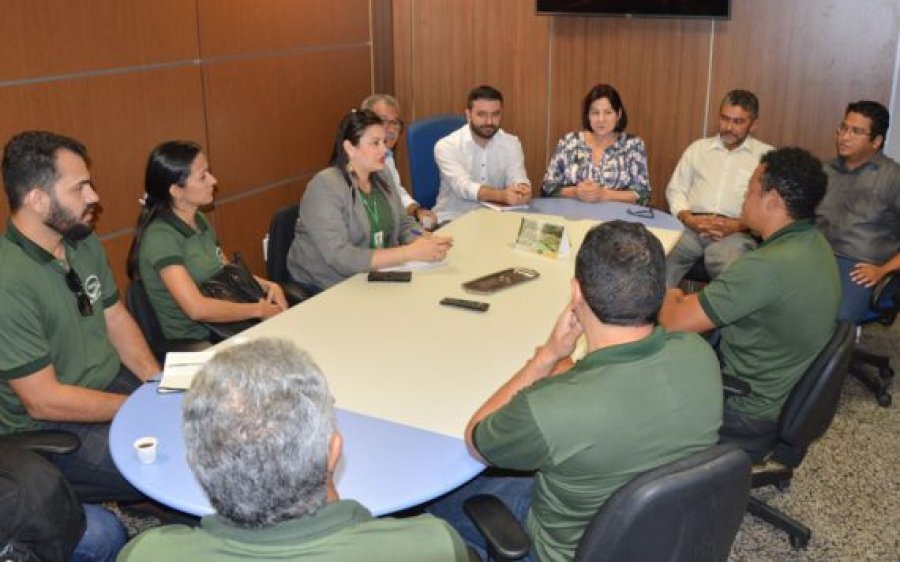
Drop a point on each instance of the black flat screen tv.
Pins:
(641, 8)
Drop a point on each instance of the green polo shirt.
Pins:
(341, 531)
(775, 307)
(168, 240)
(619, 412)
(40, 324)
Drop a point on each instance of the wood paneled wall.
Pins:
(805, 59)
(260, 83)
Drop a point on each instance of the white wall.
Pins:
(892, 144)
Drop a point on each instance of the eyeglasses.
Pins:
(394, 123)
(85, 308)
(641, 212)
(855, 131)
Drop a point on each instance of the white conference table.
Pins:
(406, 372)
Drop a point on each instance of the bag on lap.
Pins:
(233, 283)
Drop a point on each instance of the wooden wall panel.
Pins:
(117, 253)
(805, 60)
(269, 84)
(274, 117)
(242, 222)
(49, 37)
(233, 27)
(659, 68)
(120, 118)
(447, 47)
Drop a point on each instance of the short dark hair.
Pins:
(877, 114)
(29, 161)
(484, 92)
(744, 99)
(798, 178)
(601, 91)
(621, 268)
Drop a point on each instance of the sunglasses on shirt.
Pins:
(85, 308)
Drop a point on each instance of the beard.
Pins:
(67, 224)
(485, 131)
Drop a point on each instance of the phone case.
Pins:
(500, 280)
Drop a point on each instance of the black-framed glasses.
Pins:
(85, 308)
(641, 212)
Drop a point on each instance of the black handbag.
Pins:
(234, 283)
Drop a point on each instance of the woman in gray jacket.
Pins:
(350, 219)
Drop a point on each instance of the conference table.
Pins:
(406, 372)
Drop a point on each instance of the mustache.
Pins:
(90, 209)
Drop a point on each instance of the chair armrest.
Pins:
(501, 530)
(733, 386)
(42, 441)
(293, 293)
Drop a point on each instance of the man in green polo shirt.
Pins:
(260, 437)
(69, 351)
(640, 398)
(776, 306)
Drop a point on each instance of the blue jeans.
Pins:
(854, 297)
(103, 538)
(514, 491)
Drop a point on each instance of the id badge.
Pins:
(378, 239)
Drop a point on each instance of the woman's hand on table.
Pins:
(428, 247)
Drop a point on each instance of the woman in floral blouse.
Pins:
(602, 162)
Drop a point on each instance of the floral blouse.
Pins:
(624, 166)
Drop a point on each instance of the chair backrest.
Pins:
(688, 510)
(281, 235)
(420, 140)
(811, 406)
(138, 304)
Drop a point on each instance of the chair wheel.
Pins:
(884, 399)
(799, 543)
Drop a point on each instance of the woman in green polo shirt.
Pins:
(350, 219)
(175, 249)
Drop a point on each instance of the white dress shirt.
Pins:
(405, 198)
(465, 166)
(710, 178)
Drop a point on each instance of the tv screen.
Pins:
(644, 8)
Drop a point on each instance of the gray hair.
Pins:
(257, 425)
(370, 101)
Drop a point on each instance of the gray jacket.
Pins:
(331, 238)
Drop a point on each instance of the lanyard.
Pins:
(371, 204)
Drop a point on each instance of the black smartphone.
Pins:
(391, 276)
(477, 306)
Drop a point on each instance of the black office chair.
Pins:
(688, 510)
(281, 235)
(805, 417)
(883, 308)
(40, 517)
(138, 304)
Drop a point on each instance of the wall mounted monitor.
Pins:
(720, 9)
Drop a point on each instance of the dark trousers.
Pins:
(753, 435)
(90, 469)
